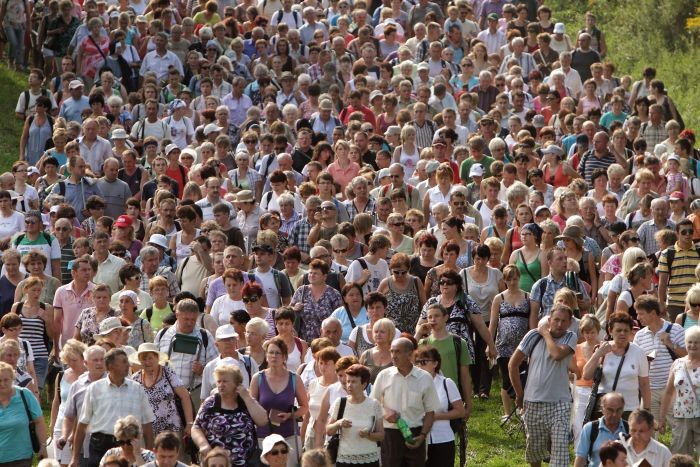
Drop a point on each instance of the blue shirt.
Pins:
(72, 110)
(341, 315)
(77, 194)
(604, 435)
(15, 444)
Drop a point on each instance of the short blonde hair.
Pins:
(387, 325)
(693, 295)
(644, 175)
(127, 428)
(229, 370)
(589, 322)
(6, 367)
(339, 241)
(494, 244)
(258, 325)
(72, 347)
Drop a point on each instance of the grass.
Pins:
(11, 85)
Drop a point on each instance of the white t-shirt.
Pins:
(441, 431)
(634, 366)
(268, 282)
(180, 130)
(377, 271)
(222, 307)
(208, 381)
(11, 225)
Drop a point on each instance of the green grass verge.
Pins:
(11, 85)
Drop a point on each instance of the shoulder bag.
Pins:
(334, 441)
(32, 427)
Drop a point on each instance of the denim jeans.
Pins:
(41, 368)
(15, 36)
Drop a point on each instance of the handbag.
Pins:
(593, 405)
(32, 427)
(188, 445)
(334, 441)
(457, 424)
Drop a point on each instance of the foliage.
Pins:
(11, 85)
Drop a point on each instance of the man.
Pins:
(63, 231)
(160, 60)
(641, 446)
(460, 207)
(486, 206)
(676, 269)
(115, 192)
(71, 299)
(95, 149)
(592, 228)
(303, 150)
(306, 32)
(356, 105)
(584, 56)
(325, 223)
(151, 267)
(425, 127)
(544, 289)
(449, 120)
(545, 56)
(299, 235)
(192, 270)
(212, 198)
(108, 264)
(546, 399)
(420, 11)
(324, 123)
(654, 130)
(524, 59)
(485, 90)
(595, 433)
(396, 172)
(237, 102)
(77, 105)
(427, 169)
(189, 347)
(95, 363)
(26, 104)
(227, 343)
(106, 401)
(34, 238)
(407, 393)
(659, 221)
(599, 157)
(150, 125)
(492, 37)
(332, 329)
(276, 286)
(477, 145)
(663, 342)
(167, 450)
(248, 216)
(572, 79)
(290, 17)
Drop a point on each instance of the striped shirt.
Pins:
(67, 256)
(682, 273)
(650, 341)
(425, 133)
(646, 233)
(590, 161)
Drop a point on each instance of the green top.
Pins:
(530, 273)
(448, 355)
(159, 314)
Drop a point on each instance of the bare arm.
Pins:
(465, 380)
(24, 138)
(322, 420)
(663, 288)
(507, 247)
(667, 399)
(645, 389)
(514, 373)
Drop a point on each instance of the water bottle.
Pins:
(405, 430)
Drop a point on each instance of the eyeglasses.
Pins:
(423, 362)
(277, 452)
(339, 250)
(397, 224)
(30, 221)
(63, 229)
(251, 299)
(249, 141)
(461, 203)
(396, 272)
(687, 232)
(446, 282)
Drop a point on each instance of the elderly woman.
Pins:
(644, 179)
(441, 450)
(127, 432)
(465, 315)
(34, 263)
(681, 391)
(277, 452)
(624, 364)
(88, 323)
(72, 356)
(140, 329)
(228, 419)
(404, 294)
(276, 389)
(17, 404)
(256, 331)
(378, 357)
(92, 51)
(316, 301)
(163, 386)
(353, 312)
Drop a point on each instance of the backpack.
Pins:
(280, 15)
(27, 97)
(142, 130)
(542, 290)
(202, 332)
(595, 429)
(671, 255)
(49, 118)
(248, 364)
(20, 237)
(275, 275)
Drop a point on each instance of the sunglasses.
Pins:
(30, 221)
(397, 224)
(446, 282)
(396, 272)
(249, 141)
(693, 305)
(687, 232)
(339, 250)
(634, 239)
(251, 299)
(459, 203)
(63, 229)
(135, 278)
(423, 362)
(277, 452)
(327, 208)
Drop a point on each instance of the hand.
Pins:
(424, 329)
(491, 352)
(364, 433)
(284, 416)
(604, 348)
(391, 416)
(318, 217)
(197, 368)
(417, 442)
(662, 426)
(467, 410)
(188, 429)
(136, 444)
(543, 328)
(344, 423)
(665, 339)
(365, 276)
(519, 401)
(42, 453)
(61, 442)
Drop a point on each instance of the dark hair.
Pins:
(454, 277)
(240, 316)
(285, 312)
(374, 297)
(167, 440)
(347, 288)
(454, 221)
(682, 223)
(642, 415)
(428, 240)
(359, 371)
(279, 342)
(320, 265)
(610, 450)
(428, 352)
(621, 317)
(449, 246)
(597, 173)
(292, 253)
(483, 251)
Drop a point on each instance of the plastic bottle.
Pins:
(405, 430)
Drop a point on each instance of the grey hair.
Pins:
(330, 320)
(148, 251)
(127, 428)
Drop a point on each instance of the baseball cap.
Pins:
(677, 196)
(263, 247)
(492, 17)
(674, 157)
(477, 170)
(170, 148)
(432, 166)
(75, 84)
(123, 221)
(383, 173)
(212, 128)
(374, 94)
(393, 130)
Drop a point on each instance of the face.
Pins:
(166, 457)
(559, 322)
(640, 431)
(620, 333)
(186, 321)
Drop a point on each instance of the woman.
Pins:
(644, 180)
(441, 192)
(378, 358)
(353, 312)
(441, 448)
(325, 360)
(37, 325)
(92, 51)
(315, 301)
(253, 299)
(407, 154)
(557, 172)
(550, 230)
(512, 242)
(276, 452)
(37, 130)
(34, 263)
(572, 236)
(465, 315)
(361, 337)
(29, 196)
(16, 447)
(340, 246)
(255, 331)
(181, 241)
(624, 363)
(223, 306)
(360, 423)
(452, 229)
(483, 283)
(449, 253)
(140, 329)
(425, 260)
(589, 329)
(630, 257)
(72, 356)
(611, 258)
(511, 314)
(162, 386)
(499, 225)
(344, 171)
(127, 432)
(88, 323)
(530, 260)
(691, 315)
(640, 279)
(681, 391)
(124, 234)
(217, 457)
(400, 242)
(285, 318)
(130, 276)
(275, 389)
(589, 100)
(217, 261)
(133, 210)
(244, 177)
(229, 418)
(11, 221)
(467, 79)
(599, 180)
(404, 293)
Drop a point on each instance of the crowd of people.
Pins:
(303, 233)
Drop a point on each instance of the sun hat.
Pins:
(268, 443)
(572, 232)
(148, 347)
(110, 324)
(158, 240)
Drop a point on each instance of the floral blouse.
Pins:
(315, 311)
(162, 398)
(687, 384)
(88, 325)
(233, 430)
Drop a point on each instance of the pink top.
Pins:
(71, 305)
(343, 176)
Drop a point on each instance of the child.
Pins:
(677, 201)
(96, 207)
(674, 177)
(11, 327)
(453, 18)
(158, 287)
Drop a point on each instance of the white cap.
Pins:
(477, 170)
(225, 332)
(559, 28)
(158, 240)
(75, 84)
(674, 157)
(384, 173)
(212, 128)
(269, 443)
(170, 148)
